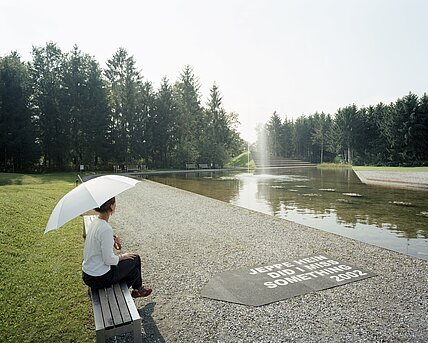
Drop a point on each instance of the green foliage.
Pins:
(128, 116)
(160, 127)
(322, 127)
(17, 134)
(275, 134)
(333, 166)
(395, 134)
(51, 121)
(40, 276)
(348, 123)
(221, 137)
(62, 110)
(242, 161)
(84, 98)
(302, 138)
(189, 128)
(394, 169)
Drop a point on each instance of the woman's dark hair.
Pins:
(104, 208)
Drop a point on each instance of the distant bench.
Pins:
(114, 309)
(118, 168)
(201, 166)
(133, 168)
(190, 165)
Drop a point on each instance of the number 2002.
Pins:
(348, 275)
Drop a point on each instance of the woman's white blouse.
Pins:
(98, 253)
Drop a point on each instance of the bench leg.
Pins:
(136, 325)
(101, 336)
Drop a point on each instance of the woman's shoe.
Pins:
(141, 293)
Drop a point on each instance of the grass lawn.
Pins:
(42, 295)
(392, 169)
(241, 161)
(333, 166)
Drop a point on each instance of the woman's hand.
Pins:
(117, 244)
(127, 256)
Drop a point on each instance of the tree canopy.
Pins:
(394, 134)
(62, 110)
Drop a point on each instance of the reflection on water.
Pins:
(331, 200)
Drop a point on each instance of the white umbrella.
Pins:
(86, 196)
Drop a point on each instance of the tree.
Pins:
(302, 138)
(376, 124)
(95, 123)
(124, 84)
(190, 122)
(287, 138)
(221, 139)
(410, 128)
(404, 128)
(19, 150)
(348, 123)
(322, 126)
(52, 122)
(423, 112)
(142, 144)
(275, 134)
(161, 127)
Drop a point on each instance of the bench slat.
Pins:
(130, 302)
(105, 308)
(114, 308)
(98, 315)
(123, 307)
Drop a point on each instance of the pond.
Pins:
(333, 200)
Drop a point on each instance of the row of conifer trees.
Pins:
(383, 134)
(61, 110)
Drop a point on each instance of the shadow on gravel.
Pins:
(151, 332)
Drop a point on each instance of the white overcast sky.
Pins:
(293, 57)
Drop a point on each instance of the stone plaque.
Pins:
(265, 284)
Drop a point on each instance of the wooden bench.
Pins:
(115, 312)
(135, 168)
(203, 166)
(190, 165)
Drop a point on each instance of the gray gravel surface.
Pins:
(184, 239)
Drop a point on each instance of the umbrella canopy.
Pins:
(87, 196)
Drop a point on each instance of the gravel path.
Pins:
(184, 239)
(413, 180)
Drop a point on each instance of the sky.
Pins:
(293, 57)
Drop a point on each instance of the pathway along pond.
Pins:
(331, 200)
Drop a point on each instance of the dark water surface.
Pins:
(331, 200)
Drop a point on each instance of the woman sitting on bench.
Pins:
(101, 267)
